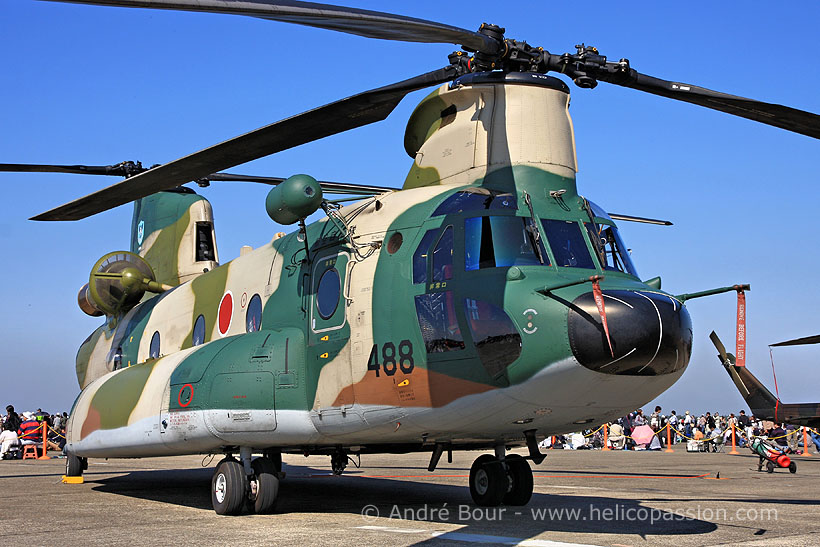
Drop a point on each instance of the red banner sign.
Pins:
(599, 301)
(740, 341)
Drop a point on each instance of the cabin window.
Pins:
(253, 317)
(118, 358)
(198, 336)
(438, 322)
(328, 292)
(153, 351)
(568, 244)
(205, 242)
(495, 242)
(443, 256)
(420, 257)
(475, 199)
(496, 339)
(609, 246)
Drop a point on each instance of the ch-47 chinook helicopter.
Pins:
(762, 402)
(486, 304)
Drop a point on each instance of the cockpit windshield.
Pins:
(568, 244)
(610, 248)
(612, 253)
(501, 241)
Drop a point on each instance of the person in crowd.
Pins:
(8, 438)
(673, 423)
(12, 417)
(638, 419)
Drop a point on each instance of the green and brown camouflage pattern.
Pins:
(306, 379)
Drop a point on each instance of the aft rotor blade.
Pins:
(777, 115)
(720, 347)
(799, 341)
(367, 23)
(632, 218)
(356, 111)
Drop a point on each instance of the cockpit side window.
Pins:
(612, 253)
(568, 244)
(500, 241)
(420, 257)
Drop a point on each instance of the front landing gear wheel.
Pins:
(520, 475)
(74, 466)
(229, 487)
(264, 485)
(488, 481)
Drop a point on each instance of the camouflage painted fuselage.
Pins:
(420, 341)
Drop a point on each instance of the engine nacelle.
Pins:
(117, 283)
(85, 303)
(294, 199)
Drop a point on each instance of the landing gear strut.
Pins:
(495, 480)
(338, 461)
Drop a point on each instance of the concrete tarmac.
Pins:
(581, 497)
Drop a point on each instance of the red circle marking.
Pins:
(225, 313)
(179, 397)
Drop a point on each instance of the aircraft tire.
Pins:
(74, 466)
(229, 486)
(267, 485)
(792, 467)
(521, 484)
(488, 481)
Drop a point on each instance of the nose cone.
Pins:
(651, 333)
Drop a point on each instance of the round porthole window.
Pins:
(253, 319)
(394, 243)
(328, 292)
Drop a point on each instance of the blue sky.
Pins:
(95, 85)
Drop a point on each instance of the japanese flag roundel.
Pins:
(225, 313)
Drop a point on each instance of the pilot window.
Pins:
(475, 199)
(443, 256)
(610, 248)
(438, 322)
(568, 244)
(204, 242)
(420, 257)
(496, 339)
(496, 241)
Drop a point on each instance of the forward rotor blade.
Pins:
(356, 111)
(799, 341)
(720, 347)
(784, 117)
(631, 218)
(123, 169)
(370, 24)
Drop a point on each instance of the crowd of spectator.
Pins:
(26, 428)
(708, 432)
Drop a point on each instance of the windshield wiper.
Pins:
(532, 228)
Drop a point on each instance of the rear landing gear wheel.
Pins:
(488, 481)
(229, 487)
(74, 466)
(264, 485)
(769, 467)
(520, 478)
(792, 467)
